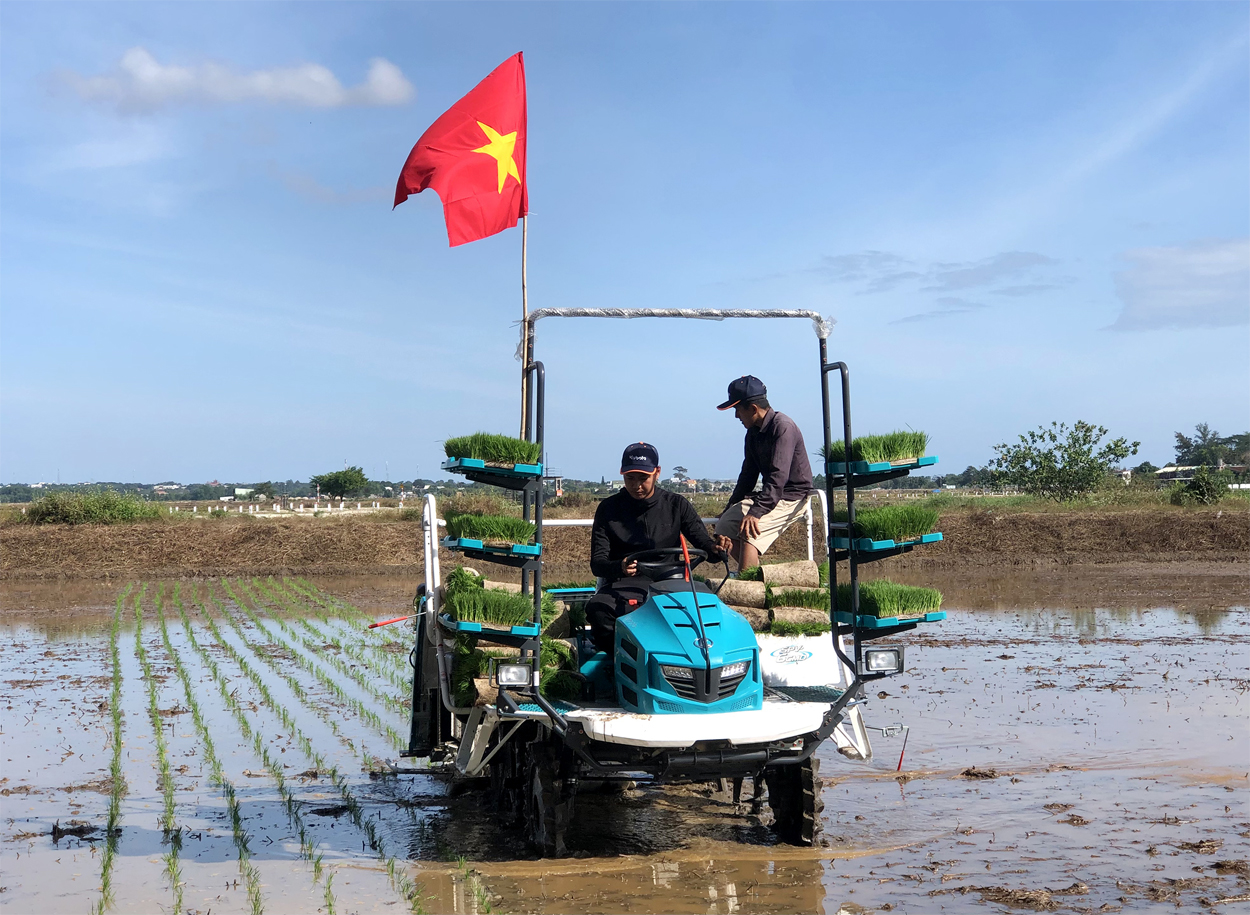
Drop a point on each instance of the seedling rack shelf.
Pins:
(853, 475)
(864, 467)
(868, 545)
(526, 478)
(889, 622)
(486, 630)
(488, 551)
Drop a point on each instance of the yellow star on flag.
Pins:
(500, 146)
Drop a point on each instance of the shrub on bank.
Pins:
(101, 507)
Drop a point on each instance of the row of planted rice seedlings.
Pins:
(399, 878)
(331, 635)
(172, 835)
(307, 850)
(217, 776)
(117, 785)
(293, 641)
(293, 683)
(378, 641)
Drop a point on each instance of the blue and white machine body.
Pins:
(674, 657)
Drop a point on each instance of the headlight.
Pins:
(882, 661)
(677, 673)
(512, 675)
(736, 669)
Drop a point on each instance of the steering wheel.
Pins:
(666, 563)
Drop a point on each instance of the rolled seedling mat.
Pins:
(561, 627)
(756, 616)
(802, 574)
(744, 593)
(514, 587)
(801, 615)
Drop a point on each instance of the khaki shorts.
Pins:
(784, 514)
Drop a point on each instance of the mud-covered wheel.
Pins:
(507, 782)
(794, 794)
(548, 800)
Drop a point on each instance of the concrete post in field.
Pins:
(357, 506)
(195, 509)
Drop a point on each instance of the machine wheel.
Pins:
(508, 780)
(794, 796)
(548, 800)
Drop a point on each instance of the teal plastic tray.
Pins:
(529, 629)
(869, 546)
(888, 622)
(460, 465)
(863, 467)
(512, 549)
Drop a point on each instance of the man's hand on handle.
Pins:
(629, 566)
(749, 528)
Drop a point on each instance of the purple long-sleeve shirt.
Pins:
(776, 451)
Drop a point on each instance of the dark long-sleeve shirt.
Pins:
(625, 525)
(776, 451)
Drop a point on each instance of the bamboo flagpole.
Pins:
(525, 310)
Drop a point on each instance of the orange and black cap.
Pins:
(640, 457)
(744, 390)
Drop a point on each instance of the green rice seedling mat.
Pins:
(493, 449)
(869, 546)
(469, 545)
(899, 523)
(885, 603)
(893, 447)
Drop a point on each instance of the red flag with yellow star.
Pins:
(474, 158)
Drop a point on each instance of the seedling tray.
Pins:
(468, 544)
(888, 622)
(571, 594)
(862, 467)
(528, 630)
(870, 546)
(462, 465)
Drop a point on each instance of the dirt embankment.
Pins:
(326, 546)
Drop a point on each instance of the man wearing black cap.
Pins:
(639, 517)
(774, 449)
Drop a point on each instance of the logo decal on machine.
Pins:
(791, 654)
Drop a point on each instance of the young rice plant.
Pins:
(893, 446)
(489, 527)
(494, 449)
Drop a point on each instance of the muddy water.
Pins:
(1082, 760)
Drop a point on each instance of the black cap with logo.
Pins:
(640, 457)
(746, 389)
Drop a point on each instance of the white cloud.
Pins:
(950, 305)
(1205, 284)
(141, 84)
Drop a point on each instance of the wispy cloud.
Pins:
(309, 187)
(1205, 284)
(948, 306)
(1008, 265)
(881, 271)
(140, 83)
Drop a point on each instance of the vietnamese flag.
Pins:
(474, 158)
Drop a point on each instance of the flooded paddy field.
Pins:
(232, 746)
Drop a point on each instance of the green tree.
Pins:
(1058, 462)
(1144, 468)
(1206, 447)
(342, 483)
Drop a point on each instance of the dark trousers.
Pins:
(613, 601)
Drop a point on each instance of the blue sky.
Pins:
(1017, 213)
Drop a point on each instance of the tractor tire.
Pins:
(794, 794)
(508, 778)
(548, 800)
